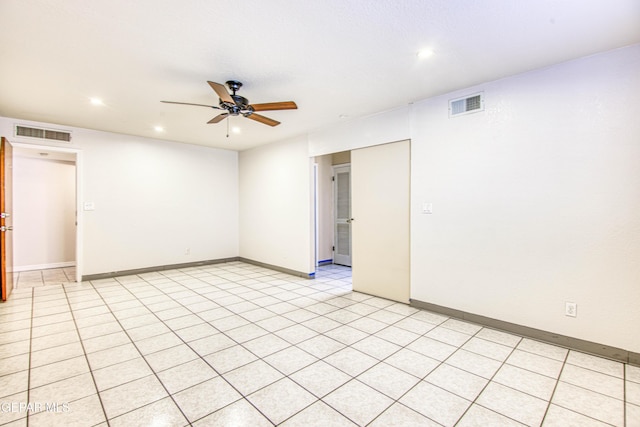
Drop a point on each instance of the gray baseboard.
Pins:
(195, 264)
(584, 346)
(277, 268)
(156, 268)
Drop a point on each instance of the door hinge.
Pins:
(333, 178)
(333, 248)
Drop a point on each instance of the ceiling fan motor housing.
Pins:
(241, 103)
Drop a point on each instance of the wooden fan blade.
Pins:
(222, 92)
(263, 119)
(286, 105)
(218, 118)
(189, 103)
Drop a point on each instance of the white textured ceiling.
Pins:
(332, 57)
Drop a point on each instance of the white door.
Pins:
(380, 183)
(342, 214)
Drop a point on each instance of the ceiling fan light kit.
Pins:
(235, 105)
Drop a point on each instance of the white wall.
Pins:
(153, 200)
(376, 129)
(535, 200)
(276, 222)
(44, 206)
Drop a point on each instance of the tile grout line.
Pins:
(354, 378)
(185, 343)
(260, 358)
(555, 387)
(141, 355)
(298, 308)
(84, 351)
(489, 380)
(591, 391)
(33, 297)
(565, 362)
(245, 397)
(504, 362)
(442, 362)
(356, 302)
(237, 280)
(557, 381)
(624, 394)
(378, 360)
(420, 379)
(289, 376)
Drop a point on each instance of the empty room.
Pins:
(320, 213)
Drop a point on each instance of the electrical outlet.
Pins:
(187, 251)
(570, 309)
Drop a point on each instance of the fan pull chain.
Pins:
(228, 126)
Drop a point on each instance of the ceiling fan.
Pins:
(236, 105)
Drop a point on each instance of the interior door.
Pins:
(342, 215)
(380, 183)
(6, 222)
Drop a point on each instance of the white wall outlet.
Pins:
(187, 251)
(570, 309)
(427, 208)
(89, 206)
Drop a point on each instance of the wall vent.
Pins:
(466, 105)
(42, 133)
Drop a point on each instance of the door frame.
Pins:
(79, 216)
(6, 272)
(315, 216)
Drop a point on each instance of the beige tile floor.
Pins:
(238, 345)
(52, 276)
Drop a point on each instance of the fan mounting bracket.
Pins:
(234, 85)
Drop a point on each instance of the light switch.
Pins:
(89, 206)
(427, 208)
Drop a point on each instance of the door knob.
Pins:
(350, 220)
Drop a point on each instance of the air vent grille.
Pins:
(57, 135)
(29, 132)
(466, 105)
(41, 133)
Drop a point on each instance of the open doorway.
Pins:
(46, 221)
(342, 215)
(329, 248)
(373, 228)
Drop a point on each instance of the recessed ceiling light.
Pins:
(158, 128)
(96, 101)
(425, 53)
